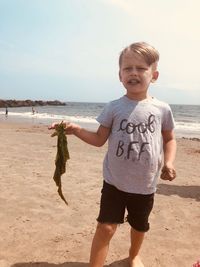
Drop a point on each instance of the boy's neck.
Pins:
(138, 97)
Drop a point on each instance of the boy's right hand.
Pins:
(70, 128)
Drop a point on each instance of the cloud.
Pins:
(178, 17)
(122, 4)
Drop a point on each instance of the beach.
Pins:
(39, 230)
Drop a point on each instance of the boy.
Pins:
(137, 127)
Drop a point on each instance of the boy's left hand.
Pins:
(168, 173)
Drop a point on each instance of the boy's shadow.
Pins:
(120, 263)
(184, 191)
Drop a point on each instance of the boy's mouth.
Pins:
(133, 81)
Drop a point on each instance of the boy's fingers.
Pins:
(53, 125)
(172, 173)
(50, 128)
(168, 174)
(67, 127)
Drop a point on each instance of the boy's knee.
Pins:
(107, 229)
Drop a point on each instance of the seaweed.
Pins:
(61, 157)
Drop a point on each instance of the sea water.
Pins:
(187, 117)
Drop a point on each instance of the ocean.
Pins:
(187, 117)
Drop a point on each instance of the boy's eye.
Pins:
(141, 68)
(127, 69)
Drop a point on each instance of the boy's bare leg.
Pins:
(100, 244)
(136, 242)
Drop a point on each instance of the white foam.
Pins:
(181, 127)
(188, 126)
(46, 116)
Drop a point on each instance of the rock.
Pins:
(29, 103)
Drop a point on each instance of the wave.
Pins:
(188, 126)
(51, 117)
(183, 127)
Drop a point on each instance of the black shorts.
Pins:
(114, 203)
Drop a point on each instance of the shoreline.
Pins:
(91, 126)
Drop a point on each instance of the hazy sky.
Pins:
(68, 49)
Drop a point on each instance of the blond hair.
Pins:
(148, 52)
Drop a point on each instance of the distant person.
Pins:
(33, 111)
(6, 112)
(138, 127)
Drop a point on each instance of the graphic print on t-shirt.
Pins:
(135, 146)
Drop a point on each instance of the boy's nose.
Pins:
(134, 71)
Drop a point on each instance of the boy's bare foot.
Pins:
(136, 262)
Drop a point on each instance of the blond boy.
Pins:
(138, 128)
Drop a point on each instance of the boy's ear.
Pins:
(155, 76)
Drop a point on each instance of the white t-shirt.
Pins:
(133, 160)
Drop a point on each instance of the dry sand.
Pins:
(37, 229)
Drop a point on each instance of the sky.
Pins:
(68, 49)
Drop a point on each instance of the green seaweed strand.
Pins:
(61, 157)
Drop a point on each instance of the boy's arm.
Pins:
(169, 149)
(97, 138)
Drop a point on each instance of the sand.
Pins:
(37, 229)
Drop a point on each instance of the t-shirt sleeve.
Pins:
(106, 117)
(168, 119)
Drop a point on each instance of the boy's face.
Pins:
(136, 75)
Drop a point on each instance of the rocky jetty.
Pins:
(29, 103)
